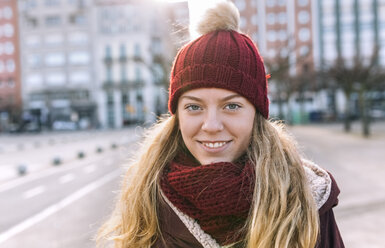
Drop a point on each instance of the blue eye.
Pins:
(232, 106)
(193, 107)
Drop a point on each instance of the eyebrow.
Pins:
(223, 99)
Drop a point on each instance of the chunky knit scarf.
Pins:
(218, 195)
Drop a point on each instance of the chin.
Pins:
(215, 160)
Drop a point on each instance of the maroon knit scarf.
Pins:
(218, 195)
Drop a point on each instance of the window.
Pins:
(33, 41)
(10, 65)
(271, 3)
(80, 77)
(271, 35)
(138, 73)
(108, 51)
(137, 51)
(282, 35)
(122, 50)
(109, 74)
(35, 60)
(31, 4)
(52, 3)
(303, 17)
(79, 58)
(254, 19)
(156, 45)
(243, 22)
(158, 73)
(34, 79)
(9, 48)
(304, 34)
(11, 84)
(123, 73)
(7, 12)
(78, 38)
(31, 22)
(2, 66)
(272, 53)
(304, 50)
(8, 30)
(54, 39)
(281, 2)
(78, 19)
(55, 78)
(53, 21)
(271, 18)
(55, 59)
(282, 18)
(241, 4)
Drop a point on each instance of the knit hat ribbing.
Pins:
(222, 58)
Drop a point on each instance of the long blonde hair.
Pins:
(283, 213)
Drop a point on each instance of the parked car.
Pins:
(64, 125)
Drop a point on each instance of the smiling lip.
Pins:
(214, 146)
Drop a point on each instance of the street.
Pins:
(63, 205)
(358, 165)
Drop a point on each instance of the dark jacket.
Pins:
(177, 235)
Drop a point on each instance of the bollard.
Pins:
(99, 149)
(56, 161)
(113, 146)
(81, 155)
(21, 170)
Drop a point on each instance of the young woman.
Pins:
(217, 172)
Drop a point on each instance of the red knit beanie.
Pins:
(220, 58)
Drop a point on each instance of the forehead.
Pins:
(210, 93)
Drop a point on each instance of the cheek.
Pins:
(246, 129)
(187, 127)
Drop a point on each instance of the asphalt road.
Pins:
(358, 165)
(64, 206)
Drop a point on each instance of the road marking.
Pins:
(58, 206)
(33, 192)
(89, 169)
(50, 171)
(67, 178)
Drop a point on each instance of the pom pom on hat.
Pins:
(221, 57)
(224, 16)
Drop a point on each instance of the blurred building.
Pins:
(279, 27)
(283, 29)
(57, 61)
(132, 57)
(346, 29)
(10, 87)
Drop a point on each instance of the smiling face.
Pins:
(216, 124)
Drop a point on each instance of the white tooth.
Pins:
(216, 145)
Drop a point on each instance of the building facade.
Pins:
(10, 83)
(283, 29)
(56, 57)
(347, 29)
(131, 60)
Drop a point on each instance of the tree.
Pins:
(361, 76)
(287, 83)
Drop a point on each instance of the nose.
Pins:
(212, 122)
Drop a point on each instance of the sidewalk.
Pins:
(37, 152)
(358, 165)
